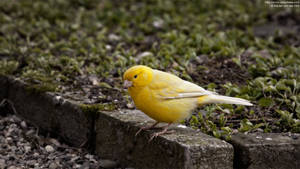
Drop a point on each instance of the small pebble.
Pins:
(31, 162)
(36, 154)
(74, 159)
(113, 37)
(23, 124)
(15, 118)
(158, 23)
(259, 130)
(53, 165)
(130, 105)
(76, 166)
(30, 132)
(259, 137)
(2, 163)
(49, 149)
(54, 141)
(182, 126)
(108, 164)
(108, 47)
(27, 148)
(88, 156)
(9, 140)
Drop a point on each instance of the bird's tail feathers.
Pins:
(223, 100)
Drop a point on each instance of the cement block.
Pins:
(266, 150)
(51, 113)
(184, 149)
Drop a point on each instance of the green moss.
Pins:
(94, 108)
(41, 88)
(8, 67)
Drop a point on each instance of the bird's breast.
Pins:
(162, 110)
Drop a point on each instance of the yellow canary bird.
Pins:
(167, 98)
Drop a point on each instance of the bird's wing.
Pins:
(168, 86)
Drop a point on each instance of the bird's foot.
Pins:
(154, 135)
(164, 131)
(146, 128)
(141, 129)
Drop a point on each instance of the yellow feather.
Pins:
(167, 98)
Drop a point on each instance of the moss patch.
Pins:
(94, 108)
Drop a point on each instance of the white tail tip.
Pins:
(226, 100)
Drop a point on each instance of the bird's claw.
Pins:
(139, 131)
(154, 135)
(142, 128)
(146, 128)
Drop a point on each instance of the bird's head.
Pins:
(137, 76)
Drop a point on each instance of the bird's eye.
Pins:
(135, 76)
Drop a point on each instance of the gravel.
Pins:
(21, 146)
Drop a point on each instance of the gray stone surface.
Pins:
(184, 149)
(50, 113)
(266, 150)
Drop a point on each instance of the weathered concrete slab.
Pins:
(185, 149)
(50, 112)
(266, 150)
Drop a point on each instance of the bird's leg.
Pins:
(146, 128)
(165, 130)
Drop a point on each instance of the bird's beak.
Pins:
(127, 84)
